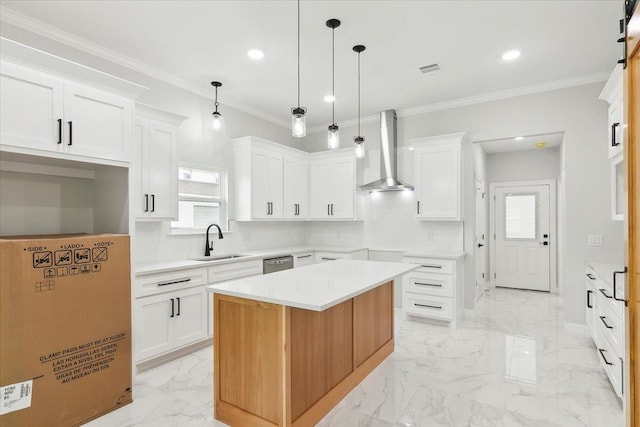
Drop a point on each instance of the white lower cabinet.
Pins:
(323, 256)
(434, 290)
(605, 322)
(302, 259)
(169, 320)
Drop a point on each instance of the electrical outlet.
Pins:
(594, 240)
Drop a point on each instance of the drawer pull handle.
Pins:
(428, 306)
(601, 350)
(603, 292)
(428, 284)
(604, 322)
(174, 282)
(589, 304)
(303, 256)
(329, 259)
(591, 276)
(430, 266)
(615, 285)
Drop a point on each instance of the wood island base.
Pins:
(276, 365)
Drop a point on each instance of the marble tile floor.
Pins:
(510, 364)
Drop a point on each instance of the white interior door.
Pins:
(522, 236)
(480, 239)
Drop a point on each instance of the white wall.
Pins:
(525, 165)
(576, 111)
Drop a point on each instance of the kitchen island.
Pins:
(289, 346)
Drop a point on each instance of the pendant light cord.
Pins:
(298, 53)
(359, 134)
(333, 74)
(216, 103)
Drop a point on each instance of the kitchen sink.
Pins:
(218, 258)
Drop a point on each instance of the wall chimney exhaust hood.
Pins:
(388, 156)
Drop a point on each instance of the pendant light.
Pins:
(298, 119)
(333, 137)
(359, 140)
(217, 121)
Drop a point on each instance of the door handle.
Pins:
(178, 314)
(70, 133)
(589, 305)
(544, 243)
(418, 207)
(268, 208)
(331, 209)
(328, 210)
(615, 285)
(59, 131)
(146, 203)
(480, 245)
(172, 308)
(153, 203)
(614, 140)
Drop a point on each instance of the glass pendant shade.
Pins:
(298, 123)
(217, 122)
(333, 137)
(359, 150)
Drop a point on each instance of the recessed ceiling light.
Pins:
(519, 138)
(255, 54)
(329, 98)
(540, 144)
(410, 148)
(510, 55)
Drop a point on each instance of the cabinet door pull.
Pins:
(331, 209)
(174, 282)
(172, 308)
(267, 208)
(70, 133)
(615, 285)
(153, 203)
(328, 210)
(59, 131)
(418, 207)
(178, 314)
(603, 292)
(589, 305)
(303, 256)
(601, 350)
(606, 325)
(431, 266)
(591, 276)
(614, 140)
(329, 259)
(428, 284)
(428, 306)
(146, 203)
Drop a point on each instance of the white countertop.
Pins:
(434, 254)
(314, 287)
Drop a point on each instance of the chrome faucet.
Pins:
(209, 247)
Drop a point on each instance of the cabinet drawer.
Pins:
(610, 362)
(611, 326)
(168, 282)
(428, 306)
(302, 259)
(331, 256)
(234, 270)
(428, 284)
(432, 265)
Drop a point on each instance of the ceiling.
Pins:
(524, 142)
(195, 42)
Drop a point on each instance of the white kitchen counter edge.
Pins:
(231, 288)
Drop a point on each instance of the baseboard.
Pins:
(576, 328)
(160, 360)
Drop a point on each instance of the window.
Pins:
(201, 198)
(520, 216)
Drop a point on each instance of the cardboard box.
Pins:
(65, 328)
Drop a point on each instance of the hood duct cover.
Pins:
(388, 156)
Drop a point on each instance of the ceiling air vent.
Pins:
(429, 68)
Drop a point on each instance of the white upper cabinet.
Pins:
(333, 185)
(437, 177)
(261, 168)
(612, 94)
(49, 116)
(31, 105)
(296, 188)
(155, 168)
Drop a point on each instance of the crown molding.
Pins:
(51, 32)
(479, 99)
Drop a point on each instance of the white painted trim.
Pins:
(151, 112)
(31, 168)
(553, 221)
(577, 329)
(12, 17)
(43, 29)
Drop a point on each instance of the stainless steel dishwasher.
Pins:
(271, 265)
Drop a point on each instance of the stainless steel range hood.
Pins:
(388, 156)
